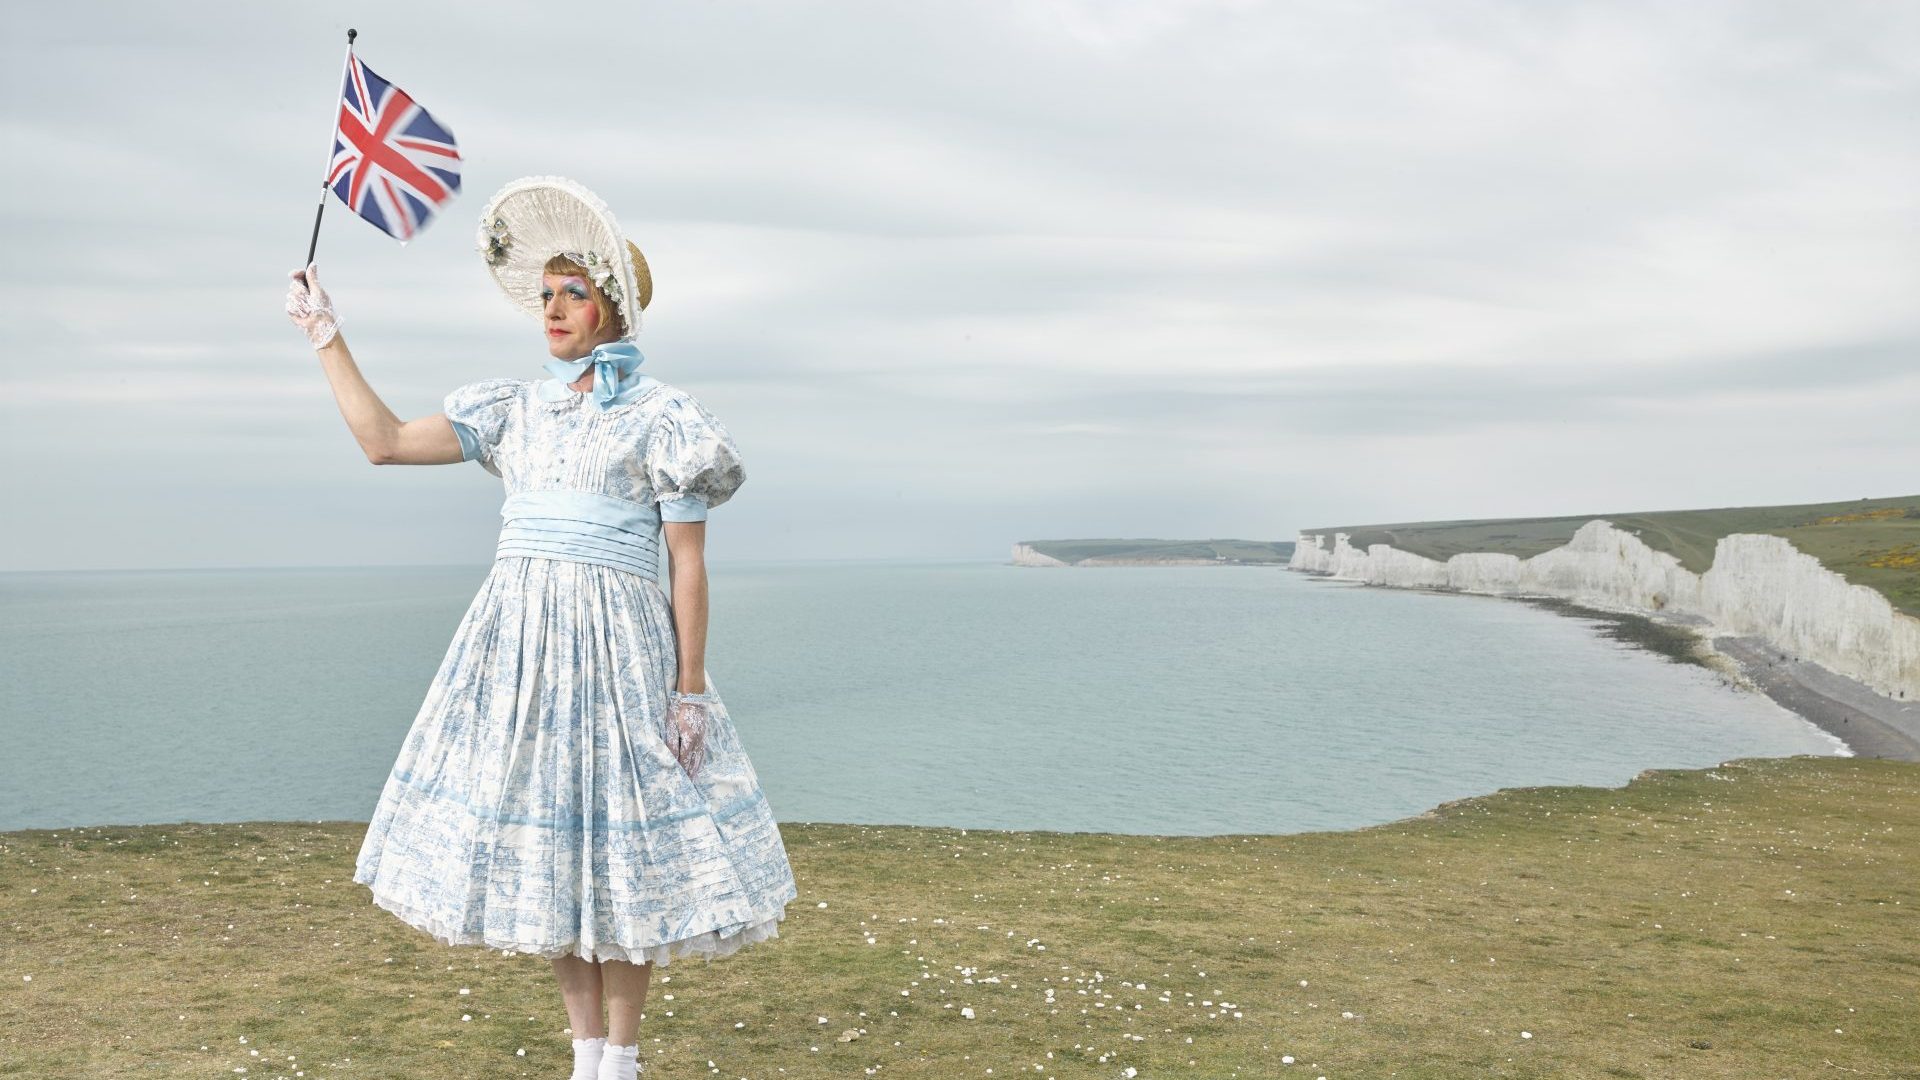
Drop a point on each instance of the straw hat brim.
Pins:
(535, 218)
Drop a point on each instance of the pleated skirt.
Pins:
(534, 806)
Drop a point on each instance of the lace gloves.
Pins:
(309, 306)
(689, 718)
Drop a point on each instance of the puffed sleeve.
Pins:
(478, 412)
(691, 460)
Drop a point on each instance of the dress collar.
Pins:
(616, 375)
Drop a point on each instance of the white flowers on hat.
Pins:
(494, 240)
(602, 272)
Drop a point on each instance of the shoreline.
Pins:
(1868, 723)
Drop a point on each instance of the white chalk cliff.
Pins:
(1758, 585)
(1024, 555)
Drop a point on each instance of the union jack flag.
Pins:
(393, 163)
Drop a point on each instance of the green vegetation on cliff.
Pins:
(1759, 918)
(1229, 551)
(1871, 542)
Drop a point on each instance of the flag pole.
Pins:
(346, 66)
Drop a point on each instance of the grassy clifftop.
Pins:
(1239, 551)
(1760, 918)
(1871, 542)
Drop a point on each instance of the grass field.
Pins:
(1871, 542)
(1757, 919)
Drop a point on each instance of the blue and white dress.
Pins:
(535, 806)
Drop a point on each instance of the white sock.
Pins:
(586, 1058)
(621, 1063)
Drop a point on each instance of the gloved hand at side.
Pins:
(689, 719)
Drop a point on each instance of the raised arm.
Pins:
(385, 438)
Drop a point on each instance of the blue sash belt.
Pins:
(581, 526)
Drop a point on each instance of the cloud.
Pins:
(1244, 267)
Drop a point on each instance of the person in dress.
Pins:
(572, 787)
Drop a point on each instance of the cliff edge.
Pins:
(1152, 551)
(1758, 586)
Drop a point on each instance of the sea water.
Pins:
(1168, 700)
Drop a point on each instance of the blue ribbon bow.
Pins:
(614, 366)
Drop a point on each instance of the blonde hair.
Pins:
(603, 303)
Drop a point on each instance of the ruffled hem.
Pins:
(711, 945)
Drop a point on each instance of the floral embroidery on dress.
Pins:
(536, 805)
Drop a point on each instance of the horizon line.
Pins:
(460, 565)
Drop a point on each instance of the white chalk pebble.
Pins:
(1526, 1034)
(1286, 1059)
(967, 1012)
(823, 903)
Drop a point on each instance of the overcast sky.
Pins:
(959, 275)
